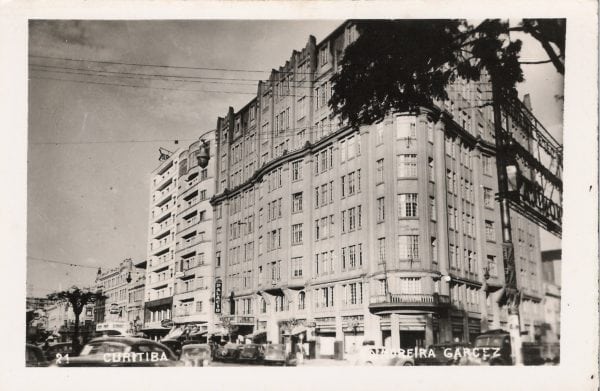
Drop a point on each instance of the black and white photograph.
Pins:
(306, 193)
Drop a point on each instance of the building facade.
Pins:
(61, 321)
(115, 285)
(179, 268)
(388, 233)
(551, 266)
(135, 297)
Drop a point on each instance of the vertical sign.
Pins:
(218, 291)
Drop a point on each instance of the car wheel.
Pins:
(408, 364)
(370, 363)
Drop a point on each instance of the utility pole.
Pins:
(510, 296)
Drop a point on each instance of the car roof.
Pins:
(125, 340)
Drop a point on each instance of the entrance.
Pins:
(411, 339)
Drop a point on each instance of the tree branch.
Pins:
(536, 62)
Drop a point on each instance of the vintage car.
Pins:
(381, 356)
(121, 352)
(228, 352)
(490, 348)
(275, 354)
(195, 355)
(60, 348)
(252, 353)
(448, 353)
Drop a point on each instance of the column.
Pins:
(439, 163)
(395, 328)
(429, 329)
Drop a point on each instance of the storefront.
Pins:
(325, 336)
(404, 331)
(354, 332)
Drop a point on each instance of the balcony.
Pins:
(159, 214)
(162, 181)
(184, 243)
(406, 300)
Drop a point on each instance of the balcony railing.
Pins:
(410, 299)
(189, 242)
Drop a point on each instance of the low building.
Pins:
(114, 285)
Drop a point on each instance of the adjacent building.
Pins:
(114, 284)
(336, 235)
(551, 267)
(180, 269)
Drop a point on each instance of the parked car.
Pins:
(34, 356)
(121, 352)
(173, 344)
(448, 353)
(490, 348)
(195, 355)
(62, 348)
(275, 354)
(228, 352)
(381, 356)
(252, 353)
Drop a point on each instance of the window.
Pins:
(488, 198)
(297, 233)
(380, 133)
(487, 164)
(452, 250)
(410, 285)
(297, 170)
(380, 209)
(381, 250)
(430, 131)
(324, 197)
(407, 205)
(351, 185)
(353, 293)
(352, 219)
(301, 300)
(408, 246)
(343, 221)
(379, 171)
(434, 257)
(297, 202)
(406, 127)
(316, 197)
(431, 170)
(432, 209)
(490, 232)
(297, 267)
(317, 230)
(323, 55)
(407, 166)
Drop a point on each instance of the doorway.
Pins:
(411, 339)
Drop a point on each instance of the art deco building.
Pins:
(180, 242)
(388, 233)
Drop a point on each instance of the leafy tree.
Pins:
(400, 65)
(78, 298)
(551, 34)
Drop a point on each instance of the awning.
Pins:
(256, 334)
(175, 333)
(198, 333)
(296, 330)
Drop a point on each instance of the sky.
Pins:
(92, 146)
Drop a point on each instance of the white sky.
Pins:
(88, 203)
